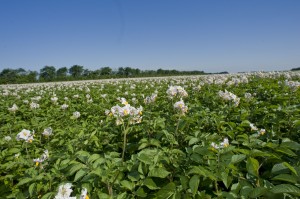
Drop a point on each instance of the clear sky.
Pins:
(208, 35)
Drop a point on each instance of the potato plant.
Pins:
(215, 136)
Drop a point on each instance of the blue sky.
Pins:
(208, 35)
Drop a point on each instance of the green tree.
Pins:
(8, 75)
(106, 71)
(121, 71)
(61, 73)
(76, 71)
(48, 73)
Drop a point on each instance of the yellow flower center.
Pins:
(86, 197)
(36, 164)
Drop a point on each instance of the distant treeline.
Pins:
(77, 72)
(294, 69)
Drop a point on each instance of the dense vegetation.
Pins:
(215, 136)
(76, 72)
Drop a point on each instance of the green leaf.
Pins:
(167, 191)
(279, 169)
(237, 158)
(150, 184)
(158, 172)
(121, 196)
(48, 195)
(291, 145)
(24, 181)
(286, 188)
(93, 158)
(83, 155)
(31, 189)
(128, 185)
(141, 192)
(74, 168)
(291, 168)
(202, 172)
(145, 158)
(252, 166)
(184, 182)
(226, 179)
(286, 178)
(193, 141)
(80, 174)
(286, 151)
(194, 184)
(257, 192)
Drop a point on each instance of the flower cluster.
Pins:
(14, 108)
(54, 99)
(228, 96)
(64, 106)
(223, 144)
(25, 135)
(178, 91)
(292, 84)
(42, 158)
(7, 138)
(150, 99)
(76, 115)
(34, 105)
(181, 107)
(47, 131)
(135, 114)
(64, 192)
(259, 132)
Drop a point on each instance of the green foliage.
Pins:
(167, 154)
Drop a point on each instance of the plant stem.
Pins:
(125, 131)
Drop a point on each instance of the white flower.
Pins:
(103, 95)
(64, 106)
(90, 100)
(64, 192)
(25, 135)
(127, 110)
(66, 98)
(225, 143)
(150, 99)
(228, 96)
(34, 105)
(42, 158)
(83, 194)
(76, 114)
(248, 96)
(176, 91)
(17, 155)
(54, 99)
(181, 106)
(25, 101)
(76, 96)
(7, 138)
(253, 128)
(14, 108)
(123, 101)
(261, 132)
(47, 131)
(214, 145)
